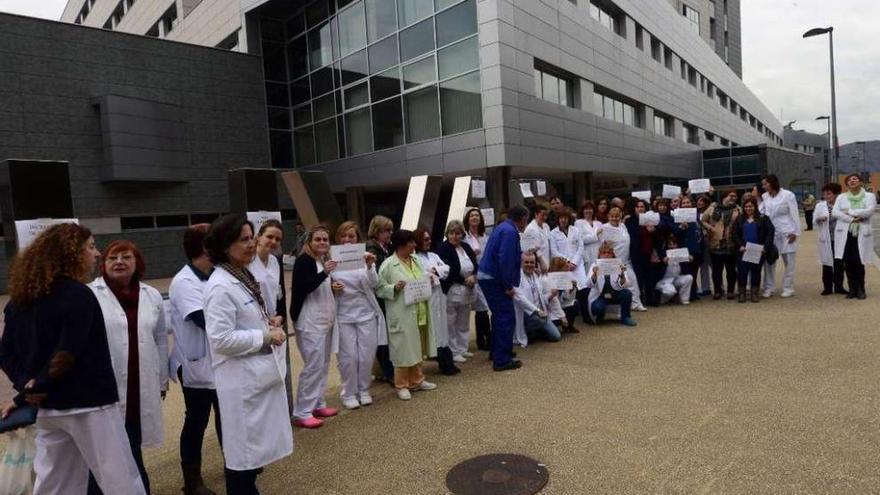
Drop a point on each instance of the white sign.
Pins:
(680, 255)
(561, 280)
(478, 189)
(753, 253)
(28, 230)
(611, 234)
(609, 267)
(416, 291)
(671, 192)
(644, 195)
(649, 218)
(488, 216)
(348, 256)
(699, 186)
(526, 190)
(541, 187)
(529, 240)
(259, 217)
(684, 215)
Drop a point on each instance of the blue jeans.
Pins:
(503, 321)
(540, 327)
(623, 298)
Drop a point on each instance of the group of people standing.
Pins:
(92, 355)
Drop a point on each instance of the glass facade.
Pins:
(344, 77)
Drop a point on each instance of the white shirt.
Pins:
(618, 236)
(477, 243)
(186, 295)
(467, 268)
(543, 233)
(530, 296)
(268, 275)
(319, 309)
(353, 304)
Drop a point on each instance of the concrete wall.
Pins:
(52, 74)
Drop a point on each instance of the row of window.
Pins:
(165, 23)
(84, 11)
(610, 16)
(119, 12)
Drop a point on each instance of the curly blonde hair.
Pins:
(57, 252)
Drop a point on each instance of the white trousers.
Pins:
(314, 347)
(357, 350)
(670, 286)
(69, 446)
(787, 274)
(634, 287)
(459, 318)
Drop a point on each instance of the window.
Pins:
(614, 108)
(417, 40)
(602, 14)
(734, 108)
(640, 34)
(422, 113)
(692, 15)
(691, 134)
(358, 132)
(385, 85)
(460, 105)
(231, 42)
(553, 86)
(663, 125)
(459, 58)
(722, 99)
(381, 19)
(667, 57)
(725, 142)
(709, 136)
(352, 36)
(410, 11)
(692, 76)
(388, 124)
(743, 114)
(457, 22)
(656, 49)
(383, 54)
(419, 73)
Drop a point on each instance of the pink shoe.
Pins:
(309, 423)
(325, 412)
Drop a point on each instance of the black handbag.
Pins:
(19, 418)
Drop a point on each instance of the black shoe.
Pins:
(841, 290)
(514, 364)
(451, 371)
(827, 292)
(851, 295)
(860, 294)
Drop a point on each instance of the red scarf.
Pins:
(129, 299)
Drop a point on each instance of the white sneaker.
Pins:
(787, 293)
(685, 302)
(640, 308)
(350, 403)
(366, 398)
(426, 385)
(403, 394)
(467, 354)
(458, 358)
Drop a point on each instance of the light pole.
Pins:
(830, 31)
(827, 119)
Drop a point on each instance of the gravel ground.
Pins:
(717, 397)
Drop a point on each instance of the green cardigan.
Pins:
(404, 337)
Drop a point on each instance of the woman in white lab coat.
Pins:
(781, 206)
(459, 286)
(853, 234)
(567, 243)
(438, 270)
(134, 318)
(615, 234)
(824, 221)
(475, 236)
(360, 320)
(248, 357)
(590, 228)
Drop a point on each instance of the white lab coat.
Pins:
(437, 303)
(186, 295)
(524, 303)
(477, 243)
(571, 247)
(250, 381)
(597, 287)
(152, 353)
(821, 219)
(673, 282)
(590, 237)
(269, 277)
(621, 252)
(363, 281)
(844, 215)
(543, 233)
(783, 212)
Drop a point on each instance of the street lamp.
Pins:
(827, 119)
(835, 143)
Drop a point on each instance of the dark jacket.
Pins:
(60, 340)
(449, 255)
(502, 256)
(766, 232)
(381, 254)
(305, 279)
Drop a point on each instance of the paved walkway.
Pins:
(719, 397)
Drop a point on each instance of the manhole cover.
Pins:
(497, 474)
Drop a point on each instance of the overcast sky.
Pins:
(788, 73)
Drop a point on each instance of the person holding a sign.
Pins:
(832, 268)
(408, 315)
(853, 234)
(379, 243)
(781, 206)
(752, 231)
(691, 235)
(134, 317)
(438, 271)
(590, 228)
(459, 287)
(615, 234)
(248, 357)
(609, 284)
(532, 301)
(360, 319)
(676, 269)
(642, 252)
(567, 243)
(54, 350)
(475, 237)
(718, 220)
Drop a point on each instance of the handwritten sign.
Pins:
(541, 187)
(671, 192)
(643, 195)
(258, 218)
(526, 190)
(478, 189)
(530, 240)
(560, 280)
(753, 253)
(649, 218)
(699, 186)
(417, 291)
(488, 216)
(348, 256)
(28, 230)
(680, 255)
(611, 234)
(608, 267)
(684, 215)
